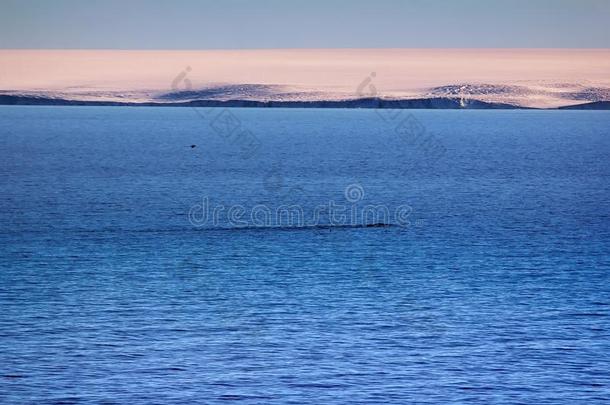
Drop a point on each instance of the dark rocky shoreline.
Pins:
(441, 103)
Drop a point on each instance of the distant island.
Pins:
(435, 103)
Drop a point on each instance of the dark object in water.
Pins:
(378, 225)
(193, 146)
(329, 227)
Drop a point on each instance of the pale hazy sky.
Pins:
(202, 24)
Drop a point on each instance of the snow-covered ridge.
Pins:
(528, 95)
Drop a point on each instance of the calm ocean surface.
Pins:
(116, 288)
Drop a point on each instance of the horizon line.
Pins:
(302, 48)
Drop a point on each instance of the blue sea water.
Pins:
(116, 288)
